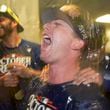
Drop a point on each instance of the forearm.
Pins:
(43, 75)
(29, 72)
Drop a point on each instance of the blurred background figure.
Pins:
(18, 59)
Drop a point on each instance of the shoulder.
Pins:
(30, 43)
(89, 97)
(82, 92)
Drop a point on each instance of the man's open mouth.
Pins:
(46, 40)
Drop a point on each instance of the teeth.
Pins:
(45, 36)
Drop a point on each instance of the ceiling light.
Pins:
(104, 19)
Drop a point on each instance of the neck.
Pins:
(63, 73)
(12, 41)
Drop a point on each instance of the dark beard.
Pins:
(7, 31)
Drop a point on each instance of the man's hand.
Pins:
(9, 80)
(22, 71)
(87, 76)
(17, 69)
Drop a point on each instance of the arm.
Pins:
(8, 80)
(25, 72)
(22, 71)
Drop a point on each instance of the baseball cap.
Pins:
(9, 13)
(75, 21)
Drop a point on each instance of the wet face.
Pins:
(5, 27)
(56, 41)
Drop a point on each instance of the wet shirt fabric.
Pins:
(26, 53)
(67, 96)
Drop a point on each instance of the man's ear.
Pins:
(77, 44)
(14, 24)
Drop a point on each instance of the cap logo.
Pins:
(3, 8)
